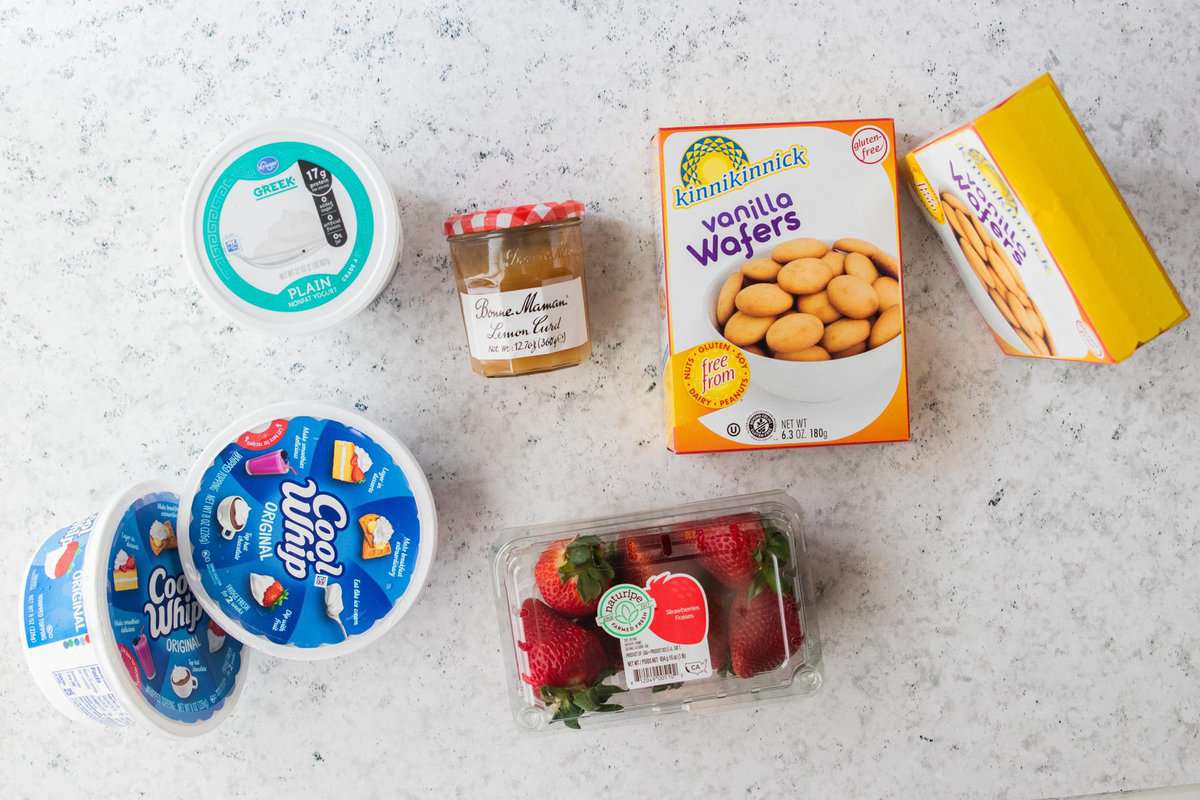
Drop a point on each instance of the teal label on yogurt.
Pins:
(306, 532)
(180, 661)
(287, 226)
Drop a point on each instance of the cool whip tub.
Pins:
(112, 631)
(306, 531)
(290, 226)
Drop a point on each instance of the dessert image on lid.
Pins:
(124, 574)
(267, 591)
(232, 514)
(377, 535)
(321, 546)
(59, 560)
(162, 537)
(216, 637)
(350, 462)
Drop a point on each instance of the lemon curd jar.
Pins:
(519, 272)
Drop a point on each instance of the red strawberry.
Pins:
(567, 663)
(738, 550)
(764, 632)
(718, 632)
(643, 556)
(611, 645)
(727, 548)
(561, 653)
(571, 574)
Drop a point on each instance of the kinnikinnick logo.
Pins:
(714, 165)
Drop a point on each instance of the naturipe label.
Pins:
(663, 629)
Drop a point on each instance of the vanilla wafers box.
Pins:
(1046, 246)
(781, 285)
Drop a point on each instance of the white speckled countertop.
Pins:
(1009, 602)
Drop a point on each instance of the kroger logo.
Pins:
(267, 165)
(714, 165)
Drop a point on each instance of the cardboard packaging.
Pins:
(781, 285)
(1046, 246)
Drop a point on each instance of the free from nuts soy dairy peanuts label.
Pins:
(1043, 241)
(782, 301)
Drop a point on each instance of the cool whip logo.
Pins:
(311, 521)
(171, 604)
(714, 165)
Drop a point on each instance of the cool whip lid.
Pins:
(290, 226)
(144, 649)
(306, 530)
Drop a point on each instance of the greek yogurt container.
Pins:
(306, 531)
(111, 629)
(290, 227)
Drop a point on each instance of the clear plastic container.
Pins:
(684, 609)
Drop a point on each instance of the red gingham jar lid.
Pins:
(511, 217)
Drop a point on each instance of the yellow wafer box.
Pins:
(1046, 246)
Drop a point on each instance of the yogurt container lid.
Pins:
(306, 530)
(172, 667)
(291, 227)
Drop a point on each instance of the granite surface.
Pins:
(1009, 602)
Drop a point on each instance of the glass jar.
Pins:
(519, 272)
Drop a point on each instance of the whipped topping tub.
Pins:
(306, 531)
(112, 631)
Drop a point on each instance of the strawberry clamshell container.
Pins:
(683, 609)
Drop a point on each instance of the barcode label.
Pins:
(650, 676)
(651, 661)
